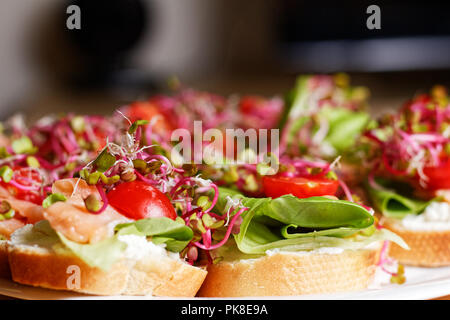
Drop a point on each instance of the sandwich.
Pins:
(34, 157)
(104, 253)
(250, 222)
(409, 180)
(297, 238)
(115, 229)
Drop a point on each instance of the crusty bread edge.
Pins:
(4, 264)
(284, 274)
(152, 276)
(427, 248)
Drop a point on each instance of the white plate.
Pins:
(422, 283)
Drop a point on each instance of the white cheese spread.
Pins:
(324, 250)
(139, 247)
(436, 217)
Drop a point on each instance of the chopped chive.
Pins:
(6, 173)
(70, 166)
(77, 124)
(331, 175)
(208, 221)
(203, 202)
(140, 165)
(3, 153)
(92, 203)
(104, 161)
(93, 178)
(264, 169)
(136, 124)
(23, 145)
(231, 175)
(53, 198)
(32, 162)
(10, 214)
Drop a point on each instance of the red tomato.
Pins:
(138, 200)
(101, 139)
(249, 104)
(259, 112)
(439, 177)
(276, 186)
(146, 111)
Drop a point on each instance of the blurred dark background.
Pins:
(127, 49)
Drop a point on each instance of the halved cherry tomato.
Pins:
(146, 110)
(276, 186)
(439, 177)
(138, 200)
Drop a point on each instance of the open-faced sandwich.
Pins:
(296, 238)
(409, 181)
(35, 157)
(114, 229)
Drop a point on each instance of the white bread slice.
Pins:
(152, 275)
(427, 248)
(287, 274)
(4, 265)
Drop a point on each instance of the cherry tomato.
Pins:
(146, 110)
(439, 177)
(138, 200)
(249, 104)
(276, 186)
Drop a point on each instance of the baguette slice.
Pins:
(157, 276)
(428, 248)
(4, 265)
(286, 274)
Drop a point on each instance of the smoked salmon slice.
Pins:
(73, 220)
(26, 209)
(7, 227)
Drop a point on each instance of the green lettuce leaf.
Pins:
(102, 254)
(298, 107)
(174, 234)
(230, 251)
(41, 235)
(258, 243)
(344, 125)
(290, 223)
(395, 200)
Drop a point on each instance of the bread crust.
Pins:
(4, 265)
(286, 274)
(427, 248)
(151, 276)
